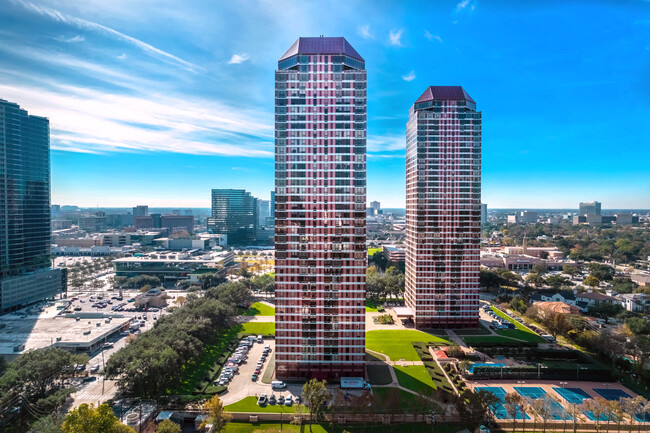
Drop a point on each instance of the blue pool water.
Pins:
(484, 364)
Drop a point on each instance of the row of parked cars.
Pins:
(263, 400)
(239, 356)
(260, 364)
(497, 322)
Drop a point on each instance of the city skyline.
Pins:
(174, 112)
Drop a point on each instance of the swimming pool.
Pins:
(470, 369)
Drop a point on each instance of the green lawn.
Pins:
(379, 374)
(389, 399)
(372, 251)
(249, 404)
(260, 309)
(244, 427)
(415, 378)
(520, 332)
(263, 328)
(396, 344)
(488, 339)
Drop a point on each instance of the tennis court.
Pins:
(557, 411)
(577, 396)
(617, 394)
(611, 394)
(500, 411)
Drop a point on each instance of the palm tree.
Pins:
(512, 404)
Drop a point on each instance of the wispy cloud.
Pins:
(409, 77)
(465, 5)
(431, 37)
(96, 27)
(395, 38)
(364, 32)
(238, 58)
(73, 39)
(386, 143)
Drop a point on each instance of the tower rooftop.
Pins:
(322, 45)
(444, 93)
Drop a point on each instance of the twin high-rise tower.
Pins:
(320, 201)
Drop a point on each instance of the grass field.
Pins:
(249, 404)
(487, 339)
(415, 378)
(372, 251)
(243, 427)
(260, 309)
(263, 328)
(396, 344)
(372, 306)
(520, 332)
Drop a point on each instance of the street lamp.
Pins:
(563, 383)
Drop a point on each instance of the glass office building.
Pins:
(25, 274)
(234, 213)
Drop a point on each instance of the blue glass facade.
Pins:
(24, 198)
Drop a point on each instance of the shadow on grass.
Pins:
(413, 383)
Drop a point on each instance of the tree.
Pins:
(168, 426)
(638, 325)
(512, 404)
(535, 279)
(88, 419)
(235, 293)
(557, 281)
(181, 300)
(539, 268)
(489, 402)
(571, 270)
(47, 424)
(605, 310)
(596, 406)
(624, 285)
(592, 281)
(216, 415)
(556, 323)
(633, 406)
(315, 395)
(518, 304)
(600, 271)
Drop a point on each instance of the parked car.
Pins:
(272, 399)
(94, 368)
(289, 400)
(280, 400)
(254, 377)
(262, 400)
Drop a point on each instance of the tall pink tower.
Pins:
(320, 218)
(443, 209)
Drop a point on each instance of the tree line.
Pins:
(149, 365)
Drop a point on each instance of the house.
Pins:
(635, 301)
(557, 307)
(642, 280)
(592, 299)
(565, 296)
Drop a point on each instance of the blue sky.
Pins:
(157, 102)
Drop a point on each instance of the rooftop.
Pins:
(444, 93)
(322, 45)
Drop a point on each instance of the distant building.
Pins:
(483, 213)
(263, 212)
(92, 223)
(589, 208)
(394, 254)
(25, 213)
(375, 205)
(528, 216)
(642, 280)
(234, 213)
(175, 222)
(624, 219)
(140, 210)
(513, 219)
(557, 307)
(143, 222)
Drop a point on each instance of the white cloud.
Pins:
(395, 38)
(76, 38)
(122, 56)
(465, 5)
(386, 143)
(89, 25)
(364, 31)
(238, 58)
(409, 77)
(431, 37)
